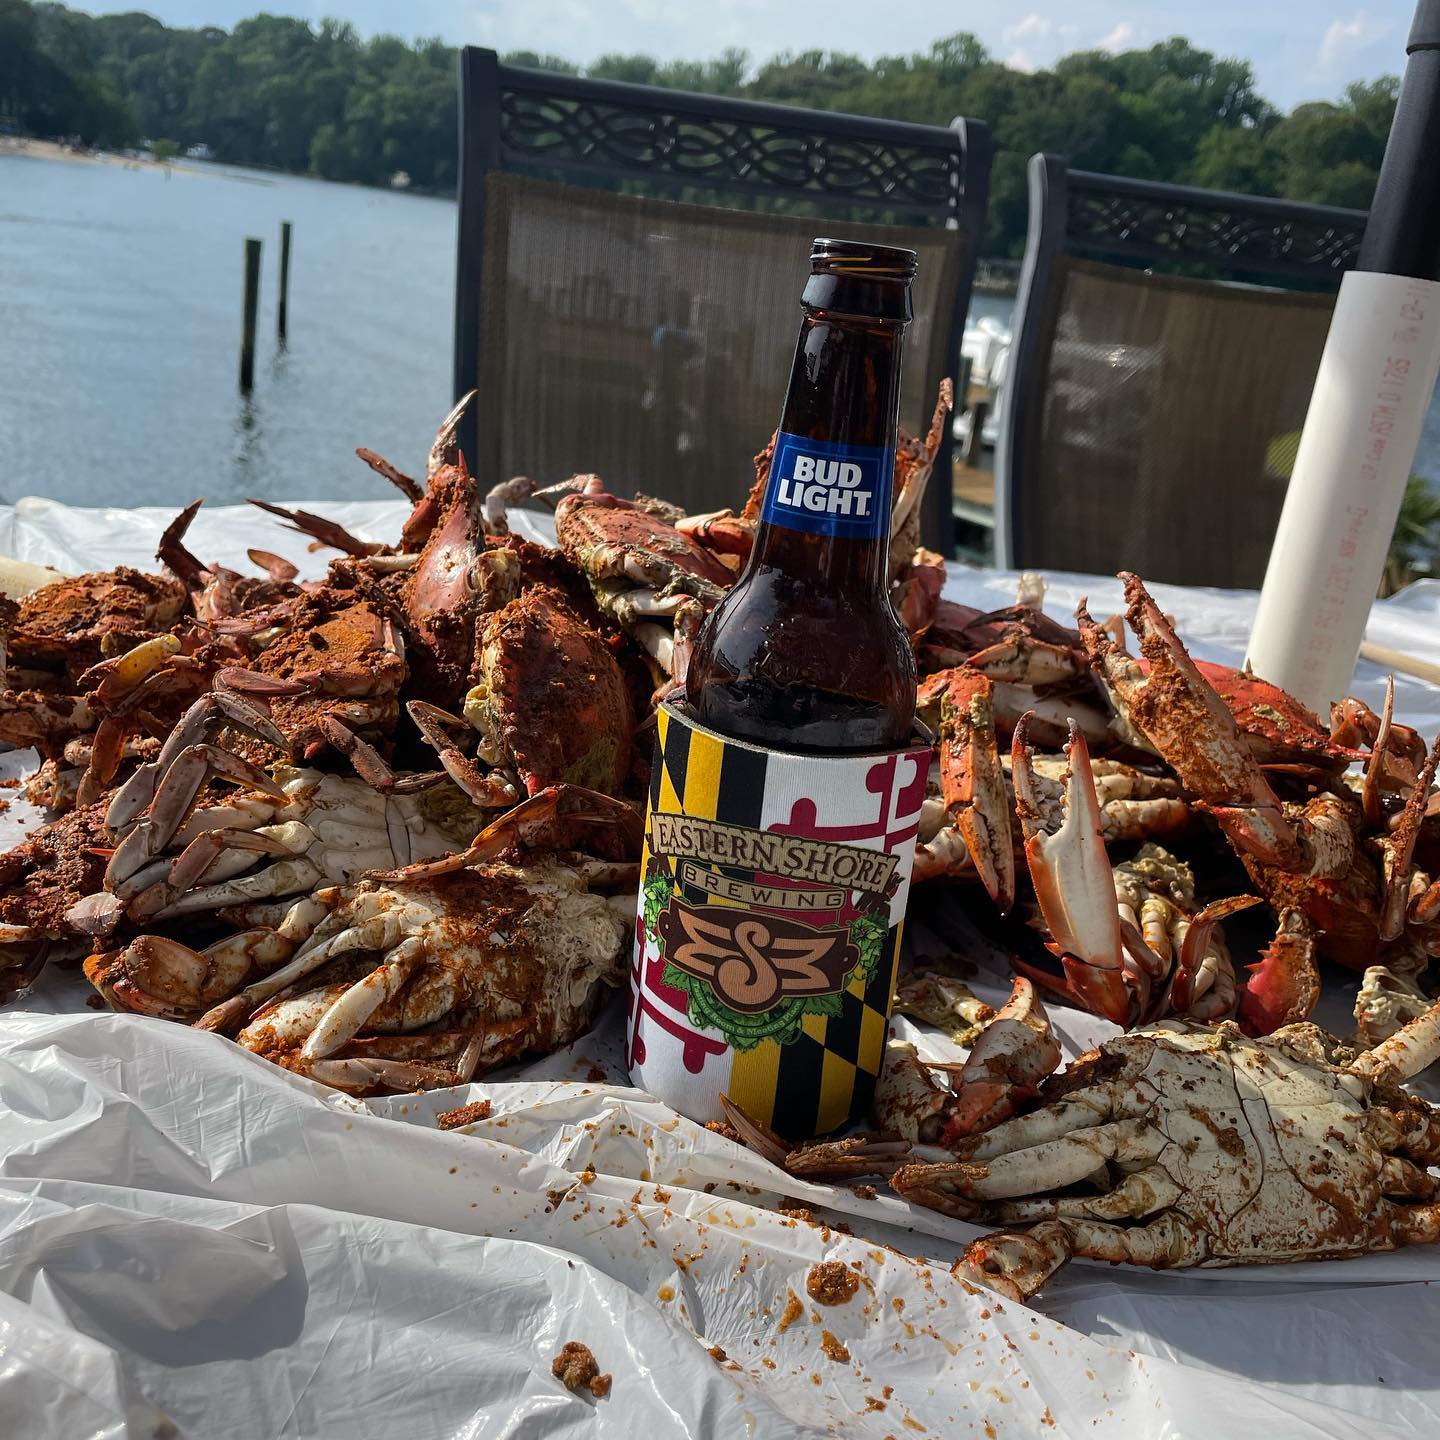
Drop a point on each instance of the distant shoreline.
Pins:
(51, 150)
(225, 169)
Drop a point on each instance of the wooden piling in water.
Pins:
(252, 306)
(282, 313)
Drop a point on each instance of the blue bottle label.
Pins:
(825, 488)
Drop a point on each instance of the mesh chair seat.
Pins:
(650, 341)
(1170, 415)
(1151, 420)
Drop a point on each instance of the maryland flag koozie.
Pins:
(772, 900)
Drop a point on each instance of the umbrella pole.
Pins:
(1367, 411)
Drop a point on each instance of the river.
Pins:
(120, 301)
(120, 297)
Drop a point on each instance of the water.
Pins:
(120, 298)
(120, 332)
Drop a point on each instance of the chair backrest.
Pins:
(630, 263)
(1150, 419)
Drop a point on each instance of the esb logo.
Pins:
(828, 488)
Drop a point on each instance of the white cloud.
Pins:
(1021, 38)
(1032, 27)
(1344, 37)
(1118, 39)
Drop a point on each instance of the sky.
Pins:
(1300, 49)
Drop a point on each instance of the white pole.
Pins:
(1374, 387)
(1376, 380)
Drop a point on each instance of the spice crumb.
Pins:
(464, 1115)
(576, 1369)
(792, 1312)
(831, 1283)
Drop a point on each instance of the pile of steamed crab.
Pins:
(383, 829)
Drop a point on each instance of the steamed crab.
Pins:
(970, 829)
(922, 1108)
(62, 629)
(40, 879)
(1210, 1148)
(653, 579)
(193, 851)
(549, 700)
(354, 979)
(1341, 859)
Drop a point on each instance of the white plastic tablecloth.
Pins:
(195, 1242)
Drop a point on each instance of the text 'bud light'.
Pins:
(829, 488)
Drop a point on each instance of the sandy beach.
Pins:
(50, 150)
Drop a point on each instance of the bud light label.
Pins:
(825, 488)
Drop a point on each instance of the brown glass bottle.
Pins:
(805, 652)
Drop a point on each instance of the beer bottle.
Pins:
(806, 653)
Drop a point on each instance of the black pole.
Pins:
(1403, 234)
(252, 304)
(282, 314)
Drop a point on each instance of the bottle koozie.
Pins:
(772, 899)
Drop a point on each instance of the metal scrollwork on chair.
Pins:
(584, 135)
(1321, 242)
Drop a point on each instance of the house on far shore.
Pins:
(199, 152)
(400, 180)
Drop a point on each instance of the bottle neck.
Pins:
(826, 515)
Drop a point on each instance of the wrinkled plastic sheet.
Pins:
(193, 1241)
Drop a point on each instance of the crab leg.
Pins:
(174, 798)
(1283, 985)
(531, 822)
(488, 789)
(973, 782)
(1195, 948)
(139, 792)
(500, 497)
(1073, 882)
(327, 532)
(443, 449)
(162, 977)
(343, 1019)
(1018, 1263)
(1397, 849)
(1011, 1056)
(1407, 1052)
(411, 489)
(1180, 714)
(316, 946)
(369, 764)
(198, 859)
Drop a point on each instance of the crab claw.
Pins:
(973, 783)
(1284, 983)
(1397, 850)
(1188, 966)
(1073, 882)
(1189, 725)
(1011, 1056)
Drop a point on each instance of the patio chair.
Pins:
(1167, 341)
(631, 258)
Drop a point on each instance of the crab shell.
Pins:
(519, 955)
(1277, 727)
(43, 876)
(551, 698)
(64, 625)
(614, 539)
(340, 651)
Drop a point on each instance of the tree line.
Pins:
(320, 100)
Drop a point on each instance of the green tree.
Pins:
(278, 91)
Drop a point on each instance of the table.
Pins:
(186, 1229)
